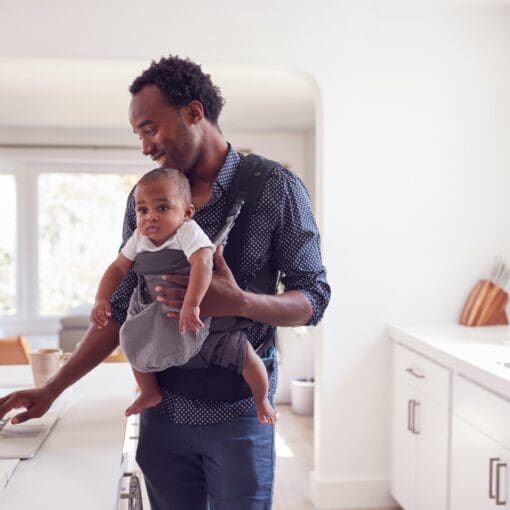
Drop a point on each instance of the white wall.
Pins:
(294, 149)
(413, 153)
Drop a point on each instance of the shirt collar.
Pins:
(227, 172)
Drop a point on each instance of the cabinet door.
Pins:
(475, 476)
(403, 445)
(431, 430)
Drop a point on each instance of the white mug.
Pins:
(45, 363)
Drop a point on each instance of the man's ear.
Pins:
(195, 111)
(189, 212)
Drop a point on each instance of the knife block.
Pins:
(485, 306)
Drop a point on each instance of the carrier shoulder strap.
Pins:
(246, 190)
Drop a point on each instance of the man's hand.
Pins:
(36, 402)
(223, 298)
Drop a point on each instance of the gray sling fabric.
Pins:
(152, 341)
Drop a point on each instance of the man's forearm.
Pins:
(94, 348)
(225, 298)
(291, 308)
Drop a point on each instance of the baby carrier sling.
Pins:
(215, 382)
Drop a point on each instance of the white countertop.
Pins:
(79, 464)
(474, 353)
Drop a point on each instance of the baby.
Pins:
(151, 340)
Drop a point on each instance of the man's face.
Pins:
(160, 210)
(167, 134)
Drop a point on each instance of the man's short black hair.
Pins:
(181, 81)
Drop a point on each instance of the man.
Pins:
(197, 452)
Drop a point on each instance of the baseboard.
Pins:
(351, 493)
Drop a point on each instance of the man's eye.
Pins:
(149, 132)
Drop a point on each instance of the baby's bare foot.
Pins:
(265, 412)
(144, 401)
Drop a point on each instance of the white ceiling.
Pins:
(57, 93)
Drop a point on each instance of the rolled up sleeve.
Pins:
(298, 247)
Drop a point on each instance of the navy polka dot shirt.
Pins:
(281, 229)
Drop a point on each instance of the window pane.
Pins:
(8, 245)
(80, 227)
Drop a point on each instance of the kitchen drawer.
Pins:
(421, 373)
(483, 409)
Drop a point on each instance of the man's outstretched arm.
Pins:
(94, 348)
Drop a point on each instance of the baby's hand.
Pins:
(190, 319)
(100, 313)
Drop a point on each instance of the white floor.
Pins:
(294, 461)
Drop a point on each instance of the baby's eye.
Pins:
(141, 210)
(162, 208)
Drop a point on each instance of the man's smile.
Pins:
(158, 157)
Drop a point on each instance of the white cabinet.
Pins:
(420, 432)
(479, 478)
(480, 448)
(403, 445)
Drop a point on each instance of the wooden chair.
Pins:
(14, 351)
(117, 356)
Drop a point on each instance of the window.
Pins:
(63, 211)
(80, 221)
(8, 245)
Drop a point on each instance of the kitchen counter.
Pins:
(80, 463)
(477, 354)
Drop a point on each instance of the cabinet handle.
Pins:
(415, 430)
(416, 374)
(492, 460)
(134, 496)
(499, 466)
(410, 404)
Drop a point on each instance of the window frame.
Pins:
(16, 241)
(26, 165)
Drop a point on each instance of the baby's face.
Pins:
(160, 210)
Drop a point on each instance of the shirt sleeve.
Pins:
(120, 298)
(129, 250)
(191, 238)
(297, 243)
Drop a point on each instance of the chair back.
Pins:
(14, 351)
(117, 356)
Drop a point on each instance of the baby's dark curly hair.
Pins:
(179, 180)
(181, 81)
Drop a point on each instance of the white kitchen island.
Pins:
(80, 464)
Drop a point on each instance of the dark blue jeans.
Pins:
(225, 466)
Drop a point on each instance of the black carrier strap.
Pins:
(248, 186)
(218, 383)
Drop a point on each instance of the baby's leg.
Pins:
(150, 395)
(255, 374)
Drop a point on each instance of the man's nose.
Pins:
(147, 147)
